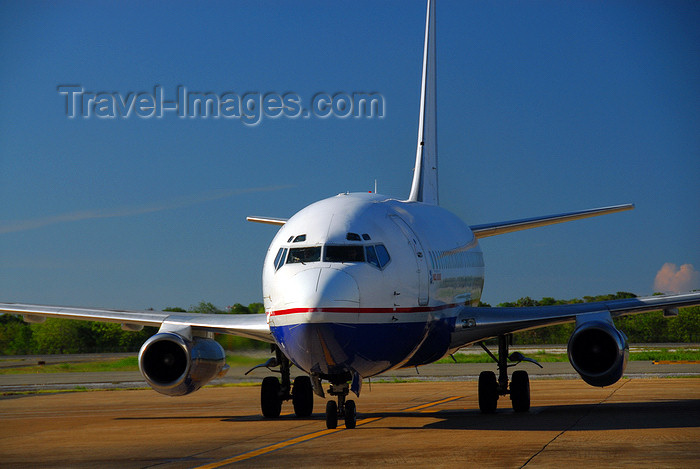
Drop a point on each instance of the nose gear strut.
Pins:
(343, 409)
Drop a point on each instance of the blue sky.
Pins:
(543, 107)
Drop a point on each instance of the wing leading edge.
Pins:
(477, 323)
(492, 229)
(253, 326)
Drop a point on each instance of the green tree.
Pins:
(15, 336)
(204, 307)
(526, 302)
(58, 336)
(109, 337)
(238, 308)
(256, 308)
(640, 328)
(230, 342)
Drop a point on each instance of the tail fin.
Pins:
(425, 175)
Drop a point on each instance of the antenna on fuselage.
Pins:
(425, 174)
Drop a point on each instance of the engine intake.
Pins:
(598, 352)
(175, 366)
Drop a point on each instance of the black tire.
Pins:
(350, 414)
(302, 396)
(331, 415)
(520, 391)
(270, 401)
(488, 392)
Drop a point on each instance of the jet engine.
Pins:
(175, 366)
(598, 352)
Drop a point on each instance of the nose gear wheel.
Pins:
(343, 409)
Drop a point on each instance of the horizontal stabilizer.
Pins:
(268, 220)
(492, 229)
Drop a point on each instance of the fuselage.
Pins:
(361, 283)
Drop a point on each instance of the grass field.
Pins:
(122, 364)
(544, 357)
(131, 363)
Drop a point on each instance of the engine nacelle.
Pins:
(598, 352)
(175, 366)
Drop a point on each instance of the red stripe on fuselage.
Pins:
(418, 309)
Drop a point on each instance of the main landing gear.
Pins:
(343, 409)
(274, 391)
(491, 388)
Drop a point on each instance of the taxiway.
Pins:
(634, 423)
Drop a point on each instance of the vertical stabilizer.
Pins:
(425, 175)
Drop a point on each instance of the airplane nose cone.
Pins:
(315, 300)
(323, 288)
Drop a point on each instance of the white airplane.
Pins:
(359, 284)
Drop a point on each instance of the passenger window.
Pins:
(304, 255)
(383, 255)
(344, 254)
(279, 259)
(372, 256)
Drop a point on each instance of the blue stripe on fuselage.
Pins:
(367, 349)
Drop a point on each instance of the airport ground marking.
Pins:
(282, 444)
(311, 436)
(675, 362)
(431, 404)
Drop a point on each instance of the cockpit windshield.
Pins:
(374, 254)
(304, 255)
(344, 254)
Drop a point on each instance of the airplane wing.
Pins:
(492, 229)
(478, 323)
(253, 326)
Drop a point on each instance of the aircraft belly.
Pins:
(333, 348)
(436, 343)
(332, 341)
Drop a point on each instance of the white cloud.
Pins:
(671, 279)
(14, 226)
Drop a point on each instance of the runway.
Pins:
(634, 423)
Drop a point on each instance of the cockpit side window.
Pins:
(304, 255)
(372, 256)
(344, 254)
(279, 259)
(382, 255)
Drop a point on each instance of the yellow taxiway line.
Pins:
(311, 436)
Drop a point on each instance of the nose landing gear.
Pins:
(490, 388)
(343, 409)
